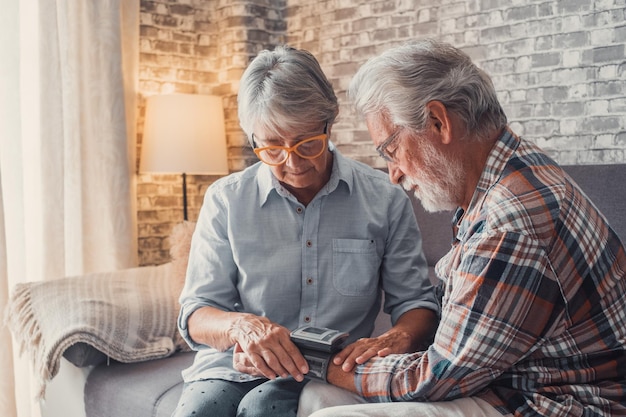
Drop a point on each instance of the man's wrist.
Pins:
(337, 376)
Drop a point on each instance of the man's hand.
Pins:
(413, 331)
(265, 348)
(364, 349)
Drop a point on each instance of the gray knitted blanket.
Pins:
(129, 315)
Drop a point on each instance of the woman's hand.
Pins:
(265, 348)
(242, 363)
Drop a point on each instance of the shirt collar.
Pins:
(499, 156)
(497, 160)
(341, 172)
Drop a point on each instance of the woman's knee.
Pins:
(277, 398)
(209, 397)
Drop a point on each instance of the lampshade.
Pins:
(184, 133)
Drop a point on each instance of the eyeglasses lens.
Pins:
(307, 149)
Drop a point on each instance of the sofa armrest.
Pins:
(65, 393)
(127, 315)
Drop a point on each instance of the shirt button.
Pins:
(309, 243)
(309, 280)
(307, 319)
(299, 210)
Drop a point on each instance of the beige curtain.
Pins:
(67, 89)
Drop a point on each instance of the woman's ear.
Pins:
(441, 121)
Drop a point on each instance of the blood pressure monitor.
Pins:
(317, 345)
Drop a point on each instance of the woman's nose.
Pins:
(293, 159)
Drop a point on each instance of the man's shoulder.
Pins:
(531, 193)
(533, 172)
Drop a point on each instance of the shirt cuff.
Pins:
(373, 379)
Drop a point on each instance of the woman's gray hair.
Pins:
(285, 90)
(398, 84)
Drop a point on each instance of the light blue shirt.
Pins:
(256, 249)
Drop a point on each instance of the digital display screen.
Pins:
(315, 330)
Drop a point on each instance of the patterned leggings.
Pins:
(260, 398)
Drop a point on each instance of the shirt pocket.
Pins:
(355, 266)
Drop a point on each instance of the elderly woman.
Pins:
(295, 239)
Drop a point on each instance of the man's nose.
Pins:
(395, 173)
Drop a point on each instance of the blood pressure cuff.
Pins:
(317, 345)
(318, 362)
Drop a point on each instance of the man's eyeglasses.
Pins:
(309, 148)
(382, 148)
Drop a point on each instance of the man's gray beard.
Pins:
(431, 195)
(442, 185)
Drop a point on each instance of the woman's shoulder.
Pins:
(237, 179)
(376, 177)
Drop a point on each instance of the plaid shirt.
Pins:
(534, 306)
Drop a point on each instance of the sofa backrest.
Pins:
(436, 229)
(605, 185)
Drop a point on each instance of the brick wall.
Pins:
(197, 47)
(559, 67)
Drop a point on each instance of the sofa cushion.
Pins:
(436, 230)
(180, 244)
(144, 389)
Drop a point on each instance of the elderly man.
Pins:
(533, 312)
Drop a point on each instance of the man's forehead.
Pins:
(379, 128)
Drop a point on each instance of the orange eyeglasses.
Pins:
(309, 148)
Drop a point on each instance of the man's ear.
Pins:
(440, 120)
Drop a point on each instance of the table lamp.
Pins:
(184, 133)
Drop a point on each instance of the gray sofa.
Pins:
(152, 388)
(149, 386)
